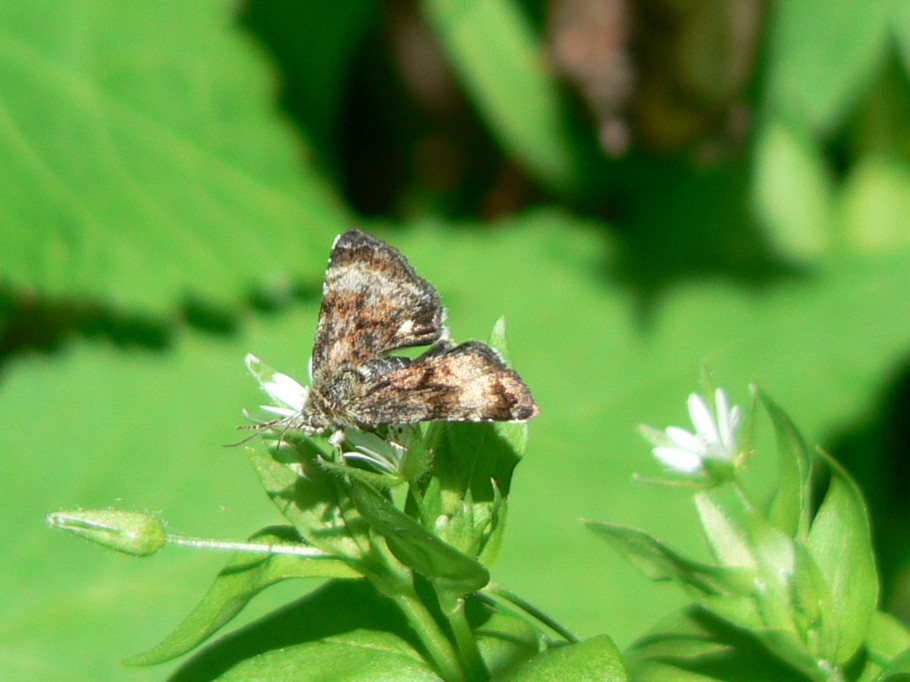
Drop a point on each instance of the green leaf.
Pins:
(416, 547)
(823, 53)
(791, 505)
(474, 457)
(793, 191)
(314, 44)
(897, 671)
(144, 171)
(344, 628)
(696, 646)
(875, 203)
(503, 639)
(888, 648)
(244, 576)
(659, 562)
(901, 22)
(514, 433)
(307, 495)
(841, 543)
(729, 543)
(595, 660)
(473, 466)
(329, 661)
(498, 59)
(811, 598)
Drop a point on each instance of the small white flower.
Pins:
(286, 393)
(714, 437)
(368, 447)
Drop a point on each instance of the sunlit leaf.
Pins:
(418, 548)
(244, 576)
(145, 160)
(841, 543)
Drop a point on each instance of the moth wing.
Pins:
(467, 383)
(373, 302)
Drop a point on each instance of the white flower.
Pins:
(286, 393)
(384, 455)
(714, 437)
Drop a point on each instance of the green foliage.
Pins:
(593, 659)
(495, 53)
(145, 162)
(174, 173)
(240, 580)
(803, 595)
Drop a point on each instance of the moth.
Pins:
(373, 304)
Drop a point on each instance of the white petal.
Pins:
(734, 425)
(279, 411)
(676, 458)
(722, 410)
(685, 440)
(283, 389)
(701, 417)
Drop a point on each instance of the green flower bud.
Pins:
(128, 532)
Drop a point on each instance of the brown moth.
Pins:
(375, 303)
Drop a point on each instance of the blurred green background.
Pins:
(639, 187)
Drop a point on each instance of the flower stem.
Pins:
(467, 643)
(531, 610)
(438, 647)
(258, 547)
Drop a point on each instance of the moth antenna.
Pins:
(258, 427)
(241, 442)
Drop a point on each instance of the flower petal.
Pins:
(285, 390)
(678, 459)
(685, 440)
(701, 417)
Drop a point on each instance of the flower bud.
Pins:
(128, 532)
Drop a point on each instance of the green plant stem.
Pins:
(257, 547)
(467, 643)
(434, 640)
(531, 610)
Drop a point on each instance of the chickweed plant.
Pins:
(404, 524)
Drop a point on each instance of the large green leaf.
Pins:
(344, 630)
(499, 60)
(144, 159)
(327, 661)
(875, 204)
(822, 54)
(793, 191)
(594, 660)
(245, 576)
(314, 43)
